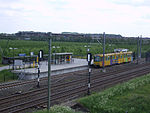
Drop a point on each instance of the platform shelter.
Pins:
(61, 58)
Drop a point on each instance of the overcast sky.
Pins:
(125, 17)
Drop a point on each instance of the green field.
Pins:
(6, 75)
(129, 97)
(76, 48)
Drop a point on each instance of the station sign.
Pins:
(22, 54)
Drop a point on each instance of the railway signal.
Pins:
(89, 59)
(38, 66)
(40, 56)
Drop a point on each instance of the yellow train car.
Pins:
(112, 58)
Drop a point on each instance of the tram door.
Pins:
(111, 60)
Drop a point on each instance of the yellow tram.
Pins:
(112, 58)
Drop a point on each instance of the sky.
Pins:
(125, 17)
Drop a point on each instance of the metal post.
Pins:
(104, 52)
(89, 79)
(55, 56)
(89, 58)
(38, 85)
(30, 59)
(140, 45)
(13, 59)
(38, 80)
(49, 75)
(138, 50)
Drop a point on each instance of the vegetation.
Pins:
(77, 48)
(129, 97)
(7, 75)
(58, 109)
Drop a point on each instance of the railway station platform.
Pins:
(32, 73)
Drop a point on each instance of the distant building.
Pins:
(32, 33)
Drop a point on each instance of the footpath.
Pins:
(4, 67)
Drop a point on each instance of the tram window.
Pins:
(97, 58)
(108, 58)
(113, 57)
(116, 57)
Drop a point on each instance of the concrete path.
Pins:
(44, 66)
(4, 67)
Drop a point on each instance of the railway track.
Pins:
(55, 79)
(69, 90)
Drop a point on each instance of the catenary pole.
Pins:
(138, 50)
(104, 51)
(140, 45)
(49, 75)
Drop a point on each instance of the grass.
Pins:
(7, 75)
(131, 97)
(77, 48)
(136, 101)
(58, 109)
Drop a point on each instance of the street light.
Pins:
(13, 55)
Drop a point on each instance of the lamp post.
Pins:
(13, 55)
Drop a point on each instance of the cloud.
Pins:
(135, 3)
(112, 16)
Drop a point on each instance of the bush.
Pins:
(58, 109)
